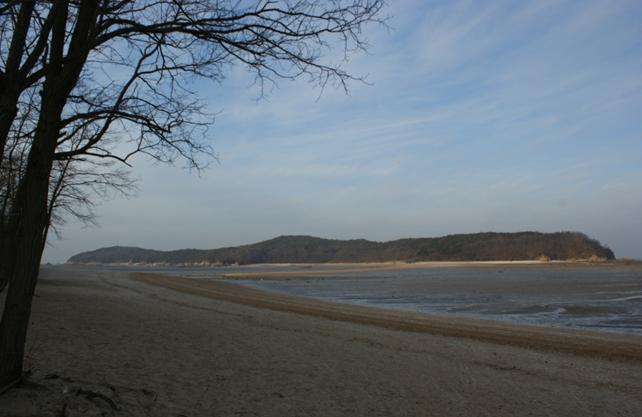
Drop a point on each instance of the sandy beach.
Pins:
(115, 343)
(302, 271)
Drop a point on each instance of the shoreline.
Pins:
(288, 271)
(583, 343)
(400, 263)
(356, 267)
(307, 270)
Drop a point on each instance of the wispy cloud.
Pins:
(482, 115)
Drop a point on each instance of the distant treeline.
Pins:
(308, 249)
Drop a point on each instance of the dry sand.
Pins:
(320, 270)
(112, 343)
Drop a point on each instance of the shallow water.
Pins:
(597, 298)
(604, 299)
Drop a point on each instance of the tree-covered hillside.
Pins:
(308, 249)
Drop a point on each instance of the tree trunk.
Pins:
(28, 223)
(9, 94)
(8, 111)
(29, 219)
(8, 90)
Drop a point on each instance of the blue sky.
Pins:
(480, 116)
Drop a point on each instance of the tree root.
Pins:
(91, 395)
(10, 385)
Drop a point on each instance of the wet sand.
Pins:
(610, 346)
(599, 298)
(162, 346)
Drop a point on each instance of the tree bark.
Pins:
(29, 223)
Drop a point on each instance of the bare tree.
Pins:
(75, 183)
(13, 164)
(74, 188)
(111, 77)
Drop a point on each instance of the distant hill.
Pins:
(307, 249)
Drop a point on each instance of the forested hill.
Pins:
(307, 249)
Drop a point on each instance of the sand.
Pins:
(278, 272)
(117, 344)
(320, 270)
(610, 346)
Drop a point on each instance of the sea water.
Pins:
(603, 298)
(597, 298)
